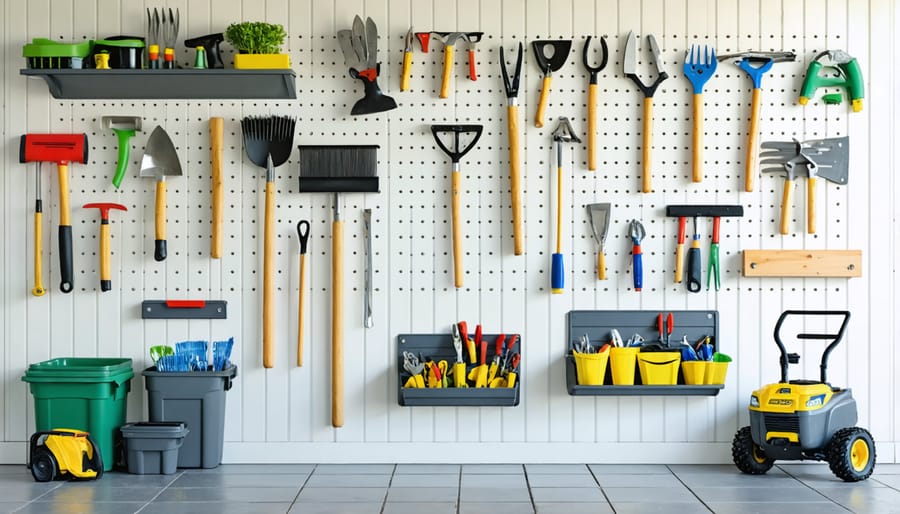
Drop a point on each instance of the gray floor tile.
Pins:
(294, 469)
(86, 492)
(649, 494)
(624, 480)
(319, 480)
(79, 508)
(420, 508)
(28, 491)
(791, 494)
(239, 480)
(664, 508)
(496, 481)
(422, 494)
(496, 508)
(880, 469)
(355, 469)
(11, 506)
(561, 481)
(342, 494)
(14, 469)
(886, 480)
(630, 469)
(216, 508)
(427, 469)
(335, 508)
(777, 508)
(818, 468)
(129, 480)
(860, 499)
(567, 494)
(493, 469)
(557, 469)
(494, 494)
(683, 469)
(735, 480)
(229, 494)
(573, 508)
(425, 481)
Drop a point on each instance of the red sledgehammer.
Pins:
(61, 149)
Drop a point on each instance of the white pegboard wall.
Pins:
(413, 275)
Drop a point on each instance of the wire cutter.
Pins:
(407, 60)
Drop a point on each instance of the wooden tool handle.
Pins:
(38, 254)
(601, 265)
(787, 199)
(216, 128)
(457, 231)
(404, 74)
(811, 205)
(515, 186)
(542, 104)
(160, 243)
(301, 309)
(592, 127)
(750, 165)
(448, 69)
(698, 138)
(105, 273)
(337, 324)
(269, 279)
(62, 177)
(679, 263)
(646, 154)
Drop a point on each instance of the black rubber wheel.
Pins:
(851, 454)
(747, 456)
(43, 465)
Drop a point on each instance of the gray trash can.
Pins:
(198, 399)
(151, 448)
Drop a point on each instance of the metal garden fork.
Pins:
(698, 68)
(170, 34)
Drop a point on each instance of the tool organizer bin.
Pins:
(440, 347)
(598, 326)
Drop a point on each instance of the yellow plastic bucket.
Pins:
(694, 372)
(590, 368)
(621, 362)
(659, 368)
(718, 368)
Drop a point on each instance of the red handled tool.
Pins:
(495, 364)
(105, 274)
(679, 250)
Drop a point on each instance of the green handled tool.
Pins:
(713, 266)
(694, 254)
(848, 76)
(124, 127)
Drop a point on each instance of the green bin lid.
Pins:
(42, 47)
(80, 369)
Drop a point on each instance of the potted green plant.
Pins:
(258, 44)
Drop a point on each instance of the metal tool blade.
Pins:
(629, 60)
(160, 157)
(351, 59)
(831, 156)
(367, 228)
(371, 43)
(654, 48)
(359, 40)
(599, 216)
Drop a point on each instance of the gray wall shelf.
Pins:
(178, 84)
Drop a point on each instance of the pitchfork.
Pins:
(698, 68)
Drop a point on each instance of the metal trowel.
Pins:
(160, 160)
(599, 216)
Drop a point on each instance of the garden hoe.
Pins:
(61, 149)
(548, 64)
(160, 161)
(124, 127)
(455, 155)
(563, 134)
(105, 274)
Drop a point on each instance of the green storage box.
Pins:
(82, 393)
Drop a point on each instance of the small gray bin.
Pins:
(198, 399)
(152, 448)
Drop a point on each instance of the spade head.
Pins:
(555, 61)
(160, 158)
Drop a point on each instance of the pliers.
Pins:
(713, 266)
(407, 60)
(414, 367)
(459, 367)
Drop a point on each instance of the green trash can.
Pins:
(82, 393)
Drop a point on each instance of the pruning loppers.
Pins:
(629, 66)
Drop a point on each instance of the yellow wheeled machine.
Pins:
(61, 452)
(805, 419)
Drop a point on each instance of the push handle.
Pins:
(646, 154)
(404, 74)
(269, 279)
(38, 249)
(514, 177)
(105, 273)
(698, 138)
(216, 128)
(679, 251)
(557, 272)
(787, 199)
(811, 205)
(66, 272)
(303, 233)
(457, 230)
(160, 243)
(337, 324)
(542, 104)
(472, 74)
(448, 69)
(592, 126)
(750, 165)
(694, 263)
(601, 265)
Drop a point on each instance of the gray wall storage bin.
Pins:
(598, 326)
(198, 399)
(152, 447)
(440, 347)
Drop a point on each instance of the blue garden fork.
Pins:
(698, 68)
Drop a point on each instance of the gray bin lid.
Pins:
(155, 430)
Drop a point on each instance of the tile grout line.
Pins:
(602, 491)
(459, 475)
(820, 493)
(388, 490)
(688, 488)
(33, 500)
(528, 485)
(308, 477)
(164, 489)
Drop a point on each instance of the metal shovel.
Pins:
(599, 215)
(160, 160)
